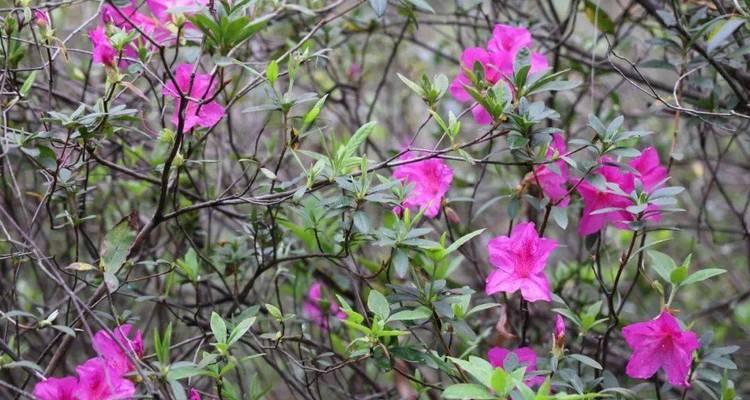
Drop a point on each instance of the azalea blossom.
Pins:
(596, 198)
(165, 10)
(98, 381)
(56, 389)
(429, 180)
(497, 63)
(198, 89)
(104, 53)
(519, 261)
(313, 310)
(111, 348)
(660, 343)
(553, 178)
(194, 395)
(647, 170)
(526, 357)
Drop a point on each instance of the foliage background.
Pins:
(233, 209)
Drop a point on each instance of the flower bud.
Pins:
(41, 18)
(558, 337)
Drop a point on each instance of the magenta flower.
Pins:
(429, 180)
(56, 389)
(519, 261)
(113, 353)
(164, 10)
(526, 357)
(41, 17)
(496, 61)
(647, 169)
(554, 180)
(194, 395)
(98, 381)
(314, 311)
(660, 343)
(594, 199)
(199, 89)
(505, 44)
(104, 53)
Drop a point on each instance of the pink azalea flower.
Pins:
(554, 181)
(165, 9)
(128, 18)
(652, 175)
(41, 17)
(647, 169)
(430, 180)
(112, 352)
(660, 343)
(519, 261)
(526, 357)
(194, 395)
(496, 61)
(505, 44)
(56, 389)
(104, 53)
(595, 199)
(197, 112)
(312, 308)
(98, 381)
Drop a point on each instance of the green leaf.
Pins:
(239, 331)
(379, 6)
(218, 327)
(272, 72)
(586, 360)
(26, 87)
(24, 364)
(420, 312)
(662, 264)
(358, 138)
(598, 17)
(412, 85)
(479, 368)
(702, 275)
(117, 242)
(721, 34)
(312, 115)
(378, 304)
(678, 275)
(463, 239)
(422, 5)
(467, 391)
(502, 382)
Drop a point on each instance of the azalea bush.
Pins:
(417, 199)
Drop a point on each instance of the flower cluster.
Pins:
(605, 204)
(497, 63)
(159, 25)
(102, 377)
